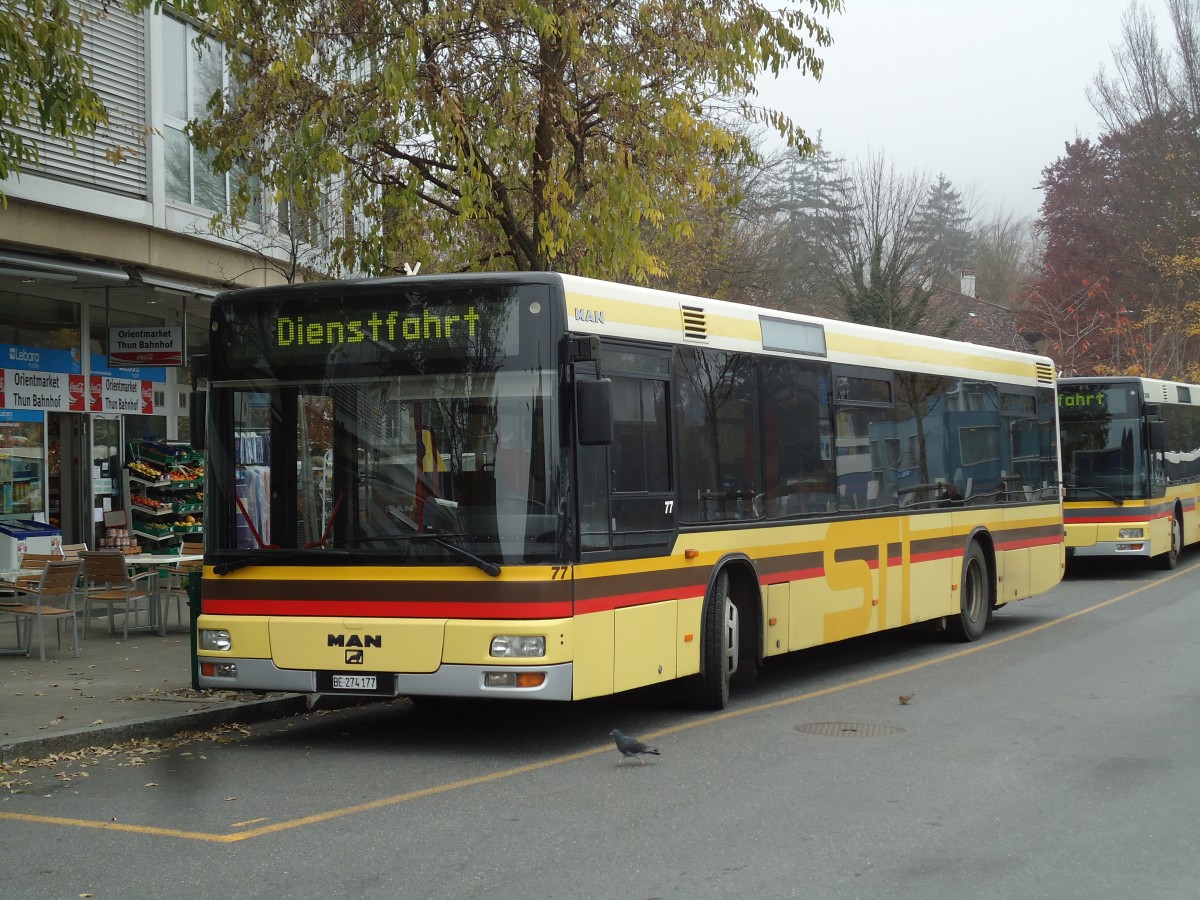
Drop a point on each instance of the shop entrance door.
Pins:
(69, 484)
(107, 442)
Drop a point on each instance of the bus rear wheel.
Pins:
(975, 598)
(718, 648)
(1170, 559)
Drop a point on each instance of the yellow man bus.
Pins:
(541, 486)
(1131, 460)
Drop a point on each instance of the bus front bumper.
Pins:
(1134, 547)
(448, 681)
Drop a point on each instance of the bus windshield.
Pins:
(1104, 456)
(427, 455)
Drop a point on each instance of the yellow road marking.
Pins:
(464, 783)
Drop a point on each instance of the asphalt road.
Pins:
(1055, 758)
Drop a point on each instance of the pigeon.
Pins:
(631, 746)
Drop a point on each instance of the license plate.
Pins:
(354, 683)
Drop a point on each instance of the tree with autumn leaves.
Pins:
(45, 81)
(499, 134)
(1119, 290)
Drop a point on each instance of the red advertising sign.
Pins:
(121, 395)
(75, 398)
(145, 346)
(96, 394)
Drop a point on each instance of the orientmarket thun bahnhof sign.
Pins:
(34, 379)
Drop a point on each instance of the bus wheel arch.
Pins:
(746, 595)
(730, 634)
(1169, 559)
(976, 590)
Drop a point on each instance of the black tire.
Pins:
(718, 648)
(1170, 559)
(975, 598)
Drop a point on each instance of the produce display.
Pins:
(165, 489)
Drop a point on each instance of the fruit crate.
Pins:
(165, 453)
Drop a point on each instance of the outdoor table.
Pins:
(158, 612)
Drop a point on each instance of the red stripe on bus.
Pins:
(1027, 543)
(796, 575)
(623, 601)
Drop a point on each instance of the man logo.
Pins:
(340, 640)
(354, 657)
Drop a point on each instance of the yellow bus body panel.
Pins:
(594, 652)
(776, 638)
(690, 610)
(645, 645)
(396, 645)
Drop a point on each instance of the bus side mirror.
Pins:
(1158, 435)
(594, 412)
(197, 413)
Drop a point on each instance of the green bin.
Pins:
(193, 592)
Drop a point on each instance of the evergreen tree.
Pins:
(808, 199)
(944, 226)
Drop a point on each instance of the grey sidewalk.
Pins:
(114, 691)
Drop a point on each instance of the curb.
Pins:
(154, 727)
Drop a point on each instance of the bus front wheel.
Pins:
(975, 598)
(718, 648)
(1170, 559)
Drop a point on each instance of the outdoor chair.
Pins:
(58, 582)
(35, 563)
(176, 582)
(110, 583)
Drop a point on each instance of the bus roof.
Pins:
(617, 310)
(1154, 390)
(626, 311)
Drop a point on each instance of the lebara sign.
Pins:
(145, 346)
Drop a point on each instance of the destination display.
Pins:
(414, 326)
(1088, 400)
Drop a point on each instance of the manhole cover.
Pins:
(848, 729)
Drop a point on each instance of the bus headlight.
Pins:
(215, 639)
(1128, 533)
(518, 645)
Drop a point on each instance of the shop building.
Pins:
(108, 266)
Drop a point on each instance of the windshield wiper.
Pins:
(270, 557)
(1095, 490)
(479, 562)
